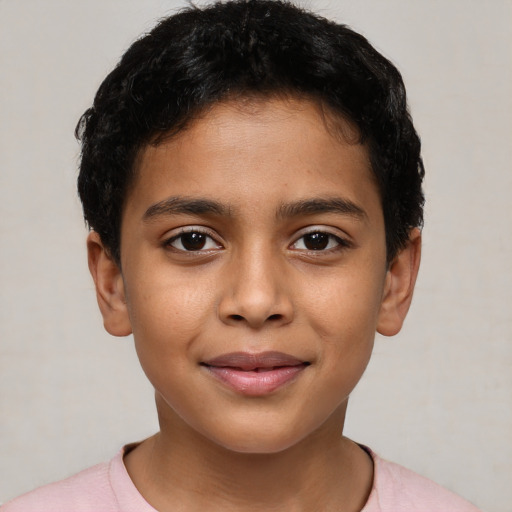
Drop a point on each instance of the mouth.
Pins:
(255, 374)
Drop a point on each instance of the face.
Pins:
(253, 274)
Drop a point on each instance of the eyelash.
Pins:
(325, 237)
(193, 231)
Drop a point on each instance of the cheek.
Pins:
(345, 326)
(168, 312)
(345, 308)
(343, 317)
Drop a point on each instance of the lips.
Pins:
(255, 374)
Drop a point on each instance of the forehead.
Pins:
(277, 149)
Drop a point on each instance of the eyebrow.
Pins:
(202, 206)
(182, 205)
(316, 206)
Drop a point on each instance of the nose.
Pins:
(255, 292)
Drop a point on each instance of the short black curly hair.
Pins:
(201, 56)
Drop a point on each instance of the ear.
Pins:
(109, 287)
(399, 286)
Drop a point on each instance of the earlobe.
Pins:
(399, 286)
(108, 281)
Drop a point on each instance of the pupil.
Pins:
(193, 241)
(316, 241)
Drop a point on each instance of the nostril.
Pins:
(239, 318)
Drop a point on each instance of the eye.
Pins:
(191, 241)
(318, 241)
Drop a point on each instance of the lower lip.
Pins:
(256, 383)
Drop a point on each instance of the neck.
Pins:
(178, 466)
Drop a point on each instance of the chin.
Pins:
(264, 442)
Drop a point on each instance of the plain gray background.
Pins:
(437, 398)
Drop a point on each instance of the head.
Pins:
(242, 49)
(253, 182)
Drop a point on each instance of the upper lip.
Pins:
(247, 361)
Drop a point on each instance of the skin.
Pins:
(256, 285)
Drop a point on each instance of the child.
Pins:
(252, 179)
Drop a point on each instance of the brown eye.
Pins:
(319, 241)
(316, 241)
(191, 241)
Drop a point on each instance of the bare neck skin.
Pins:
(178, 469)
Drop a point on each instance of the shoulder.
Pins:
(87, 491)
(397, 489)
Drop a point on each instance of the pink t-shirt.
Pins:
(107, 487)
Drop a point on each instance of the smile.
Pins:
(255, 374)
